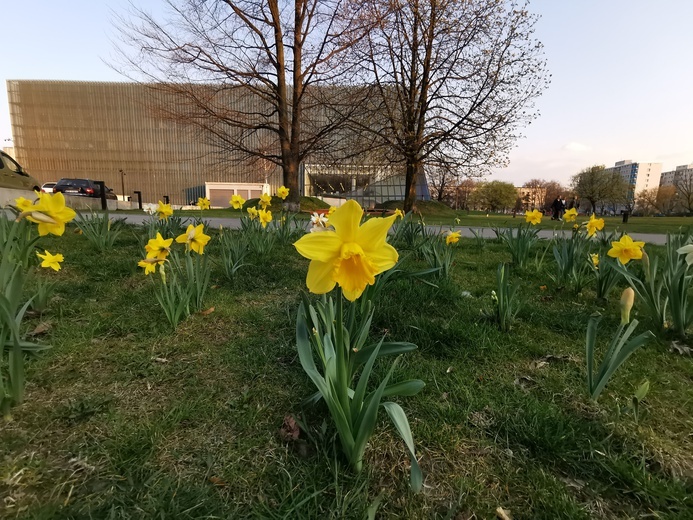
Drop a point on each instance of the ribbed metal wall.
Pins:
(92, 130)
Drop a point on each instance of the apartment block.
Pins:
(669, 178)
(639, 176)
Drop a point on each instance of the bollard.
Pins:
(625, 216)
(102, 190)
(165, 199)
(139, 198)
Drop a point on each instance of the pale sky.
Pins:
(622, 76)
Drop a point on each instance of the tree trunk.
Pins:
(414, 168)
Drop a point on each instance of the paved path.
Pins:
(235, 223)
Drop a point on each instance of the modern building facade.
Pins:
(638, 176)
(122, 133)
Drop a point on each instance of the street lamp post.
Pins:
(122, 183)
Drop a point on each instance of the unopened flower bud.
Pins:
(494, 297)
(627, 299)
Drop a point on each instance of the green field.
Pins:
(125, 419)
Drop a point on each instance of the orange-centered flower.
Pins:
(282, 192)
(626, 250)
(533, 217)
(352, 255)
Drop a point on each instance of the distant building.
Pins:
(638, 176)
(532, 198)
(670, 178)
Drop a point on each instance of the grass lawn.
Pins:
(438, 214)
(125, 419)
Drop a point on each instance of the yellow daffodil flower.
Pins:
(204, 203)
(595, 259)
(283, 192)
(194, 238)
(626, 250)
(265, 216)
(352, 255)
(50, 261)
(265, 200)
(23, 204)
(237, 202)
(331, 210)
(149, 264)
(575, 227)
(594, 224)
(399, 213)
(158, 247)
(252, 213)
(453, 237)
(164, 211)
(688, 251)
(626, 304)
(50, 213)
(570, 215)
(533, 217)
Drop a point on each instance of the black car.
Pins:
(84, 187)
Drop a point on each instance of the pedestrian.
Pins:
(556, 208)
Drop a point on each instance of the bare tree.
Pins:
(536, 193)
(592, 184)
(248, 73)
(456, 78)
(684, 191)
(657, 200)
(553, 190)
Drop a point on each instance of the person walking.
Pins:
(556, 208)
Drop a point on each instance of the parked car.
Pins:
(12, 175)
(83, 187)
(47, 187)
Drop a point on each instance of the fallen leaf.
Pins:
(289, 430)
(217, 481)
(160, 360)
(208, 311)
(215, 286)
(41, 328)
(536, 364)
(450, 369)
(503, 514)
(525, 382)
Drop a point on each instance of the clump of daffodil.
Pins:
(595, 259)
(533, 217)
(194, 238)
(252, 212)
(283, 192)
(399, 213)
(626, 250)
(593, 225)
(453, 237)
(158, 247)
(149, 265)
(164, 211)
(352, 255)
(50, 261)
(265, 217)
(627, 299)
(570, 215)
(50, 213)
(688, 251)
(265, 200)
(237, 202)
(203, 203)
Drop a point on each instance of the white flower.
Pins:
(688, 251)
(318, 220)
(149, 208)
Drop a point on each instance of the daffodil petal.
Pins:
(383, 258)
(319, 279)
(346, 219)
(322, 247)
(373, 233)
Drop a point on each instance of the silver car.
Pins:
(13, 176)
